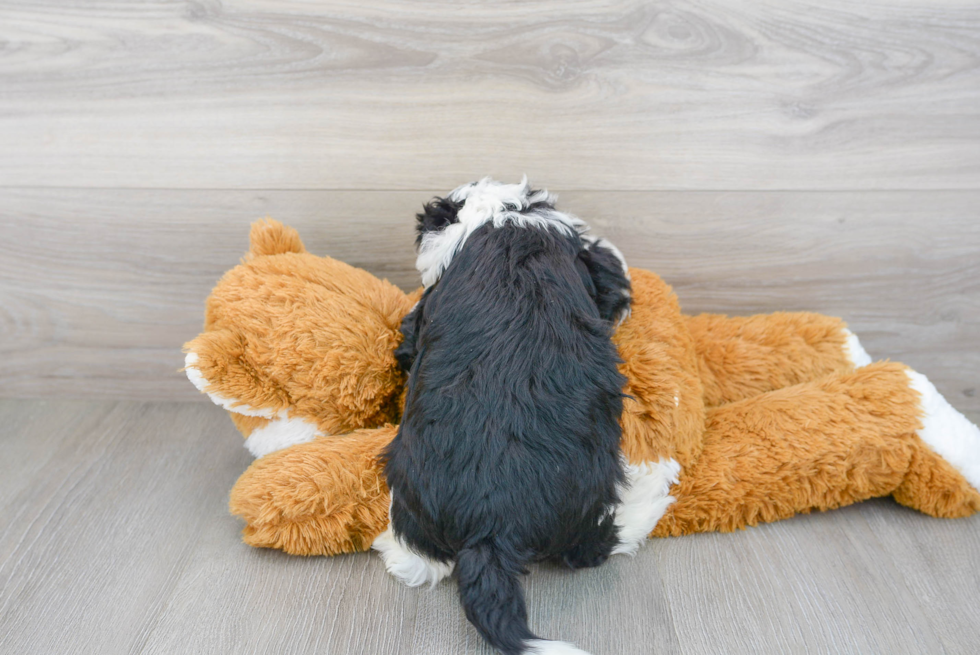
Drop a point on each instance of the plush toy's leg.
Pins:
(741, 357)
(323, 497)
(820, 445)
(944, 474)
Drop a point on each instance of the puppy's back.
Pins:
(508, 450)
(511, 420)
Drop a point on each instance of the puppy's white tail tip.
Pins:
(544, 647)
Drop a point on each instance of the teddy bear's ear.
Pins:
(270, 237)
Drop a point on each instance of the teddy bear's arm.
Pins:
(741, 357)
(324, 497)
(818, 445)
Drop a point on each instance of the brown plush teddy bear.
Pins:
(742, 419)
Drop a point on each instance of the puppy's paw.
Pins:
(406, 565)
(643, 502)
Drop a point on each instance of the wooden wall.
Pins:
(760, 156)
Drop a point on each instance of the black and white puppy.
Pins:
(508, 450)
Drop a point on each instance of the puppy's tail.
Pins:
(491, 594)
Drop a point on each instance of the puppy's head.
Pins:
(445, 223)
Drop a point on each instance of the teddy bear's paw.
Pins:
(406, 565)
(643, 502)
(231, 404)
(278, 431)
(854, 350)
(950, 434)
(281, 432)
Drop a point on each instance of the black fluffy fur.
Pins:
(508, 449)
(437, 214)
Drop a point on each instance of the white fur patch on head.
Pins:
(544, 647)
(643, 502)
(492, 194)
(281, 433)
(409, 567)
(854, 351)
(949, 433)
(484, 202)
(232, 405)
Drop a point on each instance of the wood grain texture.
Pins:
(99, 288)
(115, 538)
(590, 95)
(838, 581)
(96, 537)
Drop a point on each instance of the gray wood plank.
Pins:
(26, 456)
(120, 541)
(99, 288)
(92, 544)
(939, 562)
(235, 599)
(619, 608)
(824, 583)
(408, 95)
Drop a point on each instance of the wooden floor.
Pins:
(114, 538)
(783, 154)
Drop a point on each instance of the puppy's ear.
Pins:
(407, 350)
(608, 273)
(436, 215)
